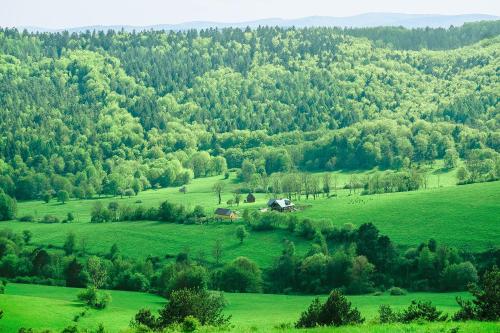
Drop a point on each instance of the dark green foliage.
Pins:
(486, 303)
(27, 235)
(241, 233)
(336, 311)
(241, 275)
(396, 291)
(8, 207)
(186, 306)
(70, 243)
(458, 276)
(386, 314)
(421, 311)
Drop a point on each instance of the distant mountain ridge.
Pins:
(357, 21)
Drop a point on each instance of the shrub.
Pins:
(422, 311)
(201, 304)
(3, 284)
(241, 233)
(50, 219)
(386, 314)
(100, 214)
(94, 298)
(307, 229)
(190, 324)
(27, 218)
(396, 291)
(336, 311)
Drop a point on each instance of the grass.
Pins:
(461, 216)
(46, 307)
(140, 239)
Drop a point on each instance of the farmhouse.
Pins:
(225, 214)
(250, 198)
(281, 205)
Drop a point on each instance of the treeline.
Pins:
(102, 113)
(427, 38)
(355, 260)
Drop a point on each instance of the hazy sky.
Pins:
(72, 13)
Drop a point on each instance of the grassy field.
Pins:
(55, 308)
(462, 216)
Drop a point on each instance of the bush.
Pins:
(3, 284)
(203, 305)
(307, 229)
(94, 298)
(50, 219)
(26, 218)
(190, 324)
(386, 314)
(421, 311)
(396, 291)
(336, 311)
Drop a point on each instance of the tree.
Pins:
(241, 233)
(97, 271)
(457, 277)
(129, 192)
(217, 251)
(247, 170)
(62, 196)
(47, 196)
(486, 303)
(27, 235)
(8, 207)
(327, 181)
(74, 274)
(450, 158)
(203, 305)
(336, 311)
(462, 175)
(241, 275)
(218, 187)
(70, 243)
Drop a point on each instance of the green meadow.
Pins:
(55, 308)
(462, 216)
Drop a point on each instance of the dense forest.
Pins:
(104, 112)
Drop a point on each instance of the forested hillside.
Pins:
(97, 113)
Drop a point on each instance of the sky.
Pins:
(77, 13)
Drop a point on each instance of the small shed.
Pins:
(250, 198)
(281, 205)
(225, 214)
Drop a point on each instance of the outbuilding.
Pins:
(281, 205)
(250, 198)
(225, 214)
